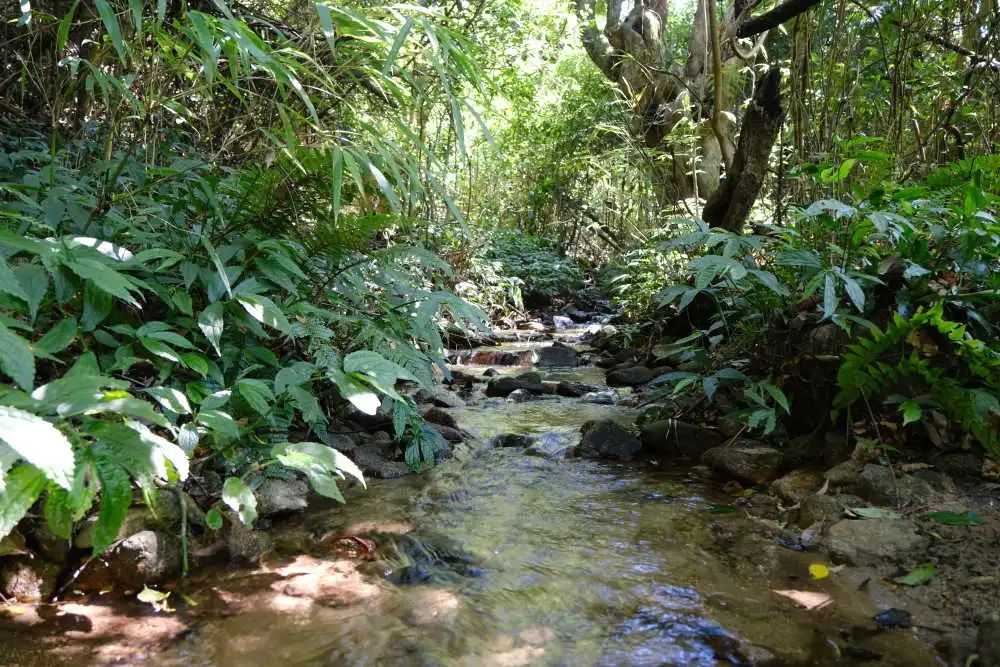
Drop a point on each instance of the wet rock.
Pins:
(631, 376)
(28, 579)
(572, 389)
(670, 437)
(857, 541)
(374, 463)
(797, 484)
(754, 464)
(447, 399)
(511, 440)
(490, 372)
(281, 496)
(147, 557)
(341, 442)
(42, 540)
(605, 397)
(492, 358)
(448, 433)
(845, 476)
(519, 396)
(136, 520)
(881, 484)
(165, 512)
(561, 322)
(825, 508)
(246, 545)
(602, 338)
(439, 416)
(501, 387)
(551, 446)
(608, 439)
(959, 464)
(391, 470)
(557, 354)
(988, 643)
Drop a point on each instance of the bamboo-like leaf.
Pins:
(111, 24)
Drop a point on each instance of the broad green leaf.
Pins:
(213, 519)
(220, 423)
(854, 292)
(210, 322)
(874, 513)
(59, 512)
(23, 486)
(58, 338)
(778, 396)
(10, 284)
(216, 400)
(112, 26)
(830, 302)
(171, 399)
(307, 404)
(219, 267)
(358, 393)
(16, 358)
(265, 311)
(116, 498)
(240, 498)
(105, 278)
(160, 349)
(257, 394)
(912, 412)
(187, 438)
(34, 282)
(921, 575)
(292, 376)
(96, 306)
(39, 443)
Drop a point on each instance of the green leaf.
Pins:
(721, 509)
(874, 513)
(240, 498)
(319, 463)
(111, 25)
(116, 498)
(23, 486)
(265, 311)
(210, 322)
(213, 519)
(160, 349)
(854, 292)
(105, 278)
(219, 267)
(921, 575)
(16, 358)
(216, 400)
(307, 404)
(39, 443)
(171, 399)
(187, 438)
(62, 35)
(358, 393)
(912, 412)
(59, 510)
(955, 518)
(829, 297)
(9, 283)
(220, 423)
(96, 306)
(58, 338)
(257, 394)
(293, 376)
(778, 396)
(34, 282)
(376, 369)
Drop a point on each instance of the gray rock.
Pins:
(608, 439)
(631, 376)
(28, 579)
(281, 496)
(825, 508)
(859, 541)
(988, 643)
(561, 322)
(147, 557)
(845, 476)
(576, 389)
(606, 397)
(551, 446)
(557, 354)
(881, 484)
(520, 396)
(754, 464)
(449, 399)
(827, 339)
(511, 440)
(502, 386)
(448, 433)
(341, 442)
(245, 545)
(42, 540)
(602, 337)
(796, 485)
(670, 437)
(137, 519)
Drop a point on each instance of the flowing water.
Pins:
(501, 558)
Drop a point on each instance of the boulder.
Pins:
(573, 389)
(607, 439)
(550, 446)
(511, 440)
(670, 437)
(341, 442)
(136, 520)
(602, 337)
(825, 508)
(281, 496)
(520, 396)
(28, 579)
(796, 485)
(448, 433)
(845, 476)
(147, 557)
(856, 541)
(449, 399)
(988, 643)
(561, 322)
(755, 464)
(557, 354)
(42, 540)
(502, 386)
(439, 416)
(605, 397)
(631, 376)
(881, 484)
(246, 545)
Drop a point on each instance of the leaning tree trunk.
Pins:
(630, 52)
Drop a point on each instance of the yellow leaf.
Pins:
(819, 571)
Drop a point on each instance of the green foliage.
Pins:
(541, 270)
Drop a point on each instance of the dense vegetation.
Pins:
(227, 228)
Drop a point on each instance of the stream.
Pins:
(501, 558)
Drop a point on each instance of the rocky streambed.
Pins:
(555, 531)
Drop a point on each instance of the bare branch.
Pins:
(772, 19)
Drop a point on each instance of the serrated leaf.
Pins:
(16, 358)
(116, 498)
(59, 510)
(34, 282)
(171, 399)
(257, 394)
(23, 486)
(216, 400)
(58, 338)
(105, 278)
(10, 284)
(240, 498)
(39, 443)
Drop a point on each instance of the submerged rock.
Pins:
(573, 389)
(754, 464)
(281, 496)
(520, 396)
(606, 397)
(511, 440)
(858, 540)
(501, 387)
(551, 446)
(557, 354)
(608, 439)
(439, 416)
(632, 376)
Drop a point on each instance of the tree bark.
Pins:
(729, 206)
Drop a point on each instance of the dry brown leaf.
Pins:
(811, 600)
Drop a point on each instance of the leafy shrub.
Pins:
(543, 272)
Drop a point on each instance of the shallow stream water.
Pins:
(521, 560)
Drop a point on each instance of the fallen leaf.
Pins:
(811, 600)
(721, 509)
(873, 513)
(920, 575)
(156, 598)
(819, 571)
(955, 518)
